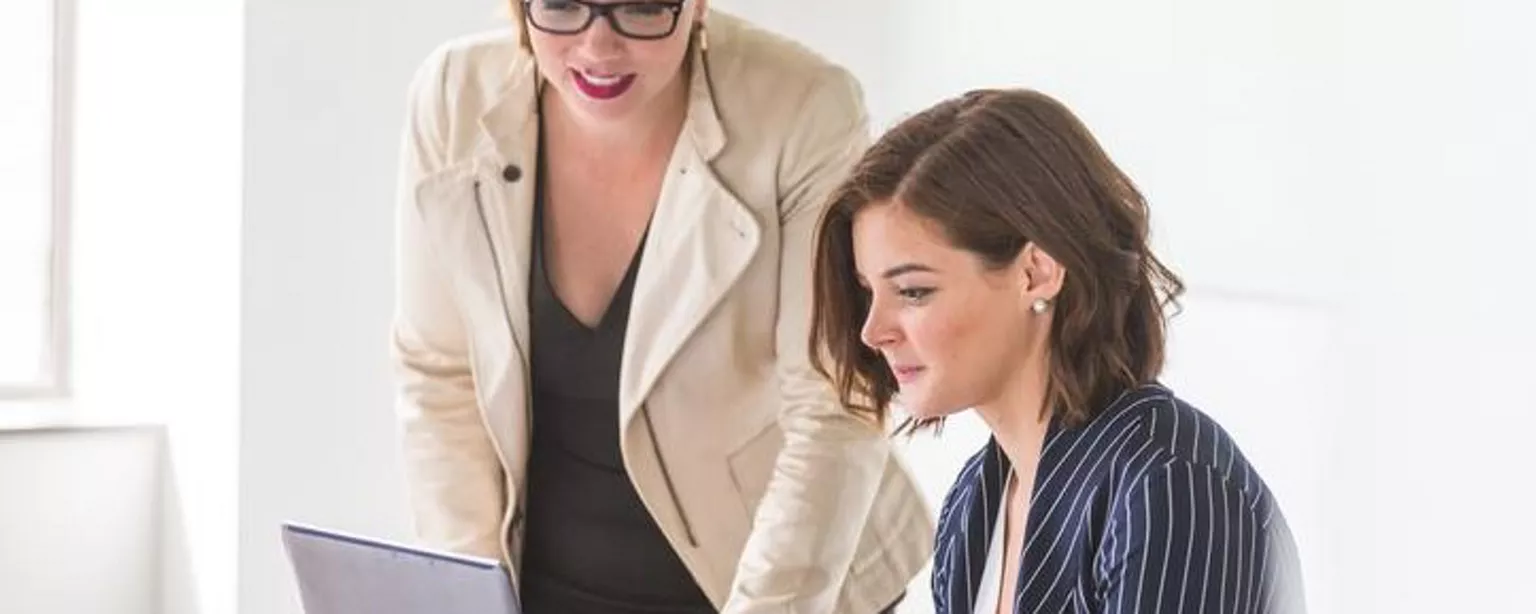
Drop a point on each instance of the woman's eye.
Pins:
(915, 294)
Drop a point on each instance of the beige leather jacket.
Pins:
(776, 499)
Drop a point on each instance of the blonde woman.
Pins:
(605, 224)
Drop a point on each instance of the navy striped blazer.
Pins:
(1149, 507)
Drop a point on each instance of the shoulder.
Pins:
(753, 69)
(747, 53)
(463, 76)
(1166, 436)
(483, 59)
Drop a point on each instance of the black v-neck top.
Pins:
(590, 546)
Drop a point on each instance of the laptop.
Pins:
(339, 573)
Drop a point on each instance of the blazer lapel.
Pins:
(967, 529)
(702, 239)
(966, 534)
(510, 161)
(479, 213)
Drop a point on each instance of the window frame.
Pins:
(56, 382)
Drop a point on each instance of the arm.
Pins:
(1187, 541)
(452, 475)
(826, 477)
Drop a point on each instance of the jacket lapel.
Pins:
(966, 532)
(702, 239)
(480, 217)
(510, 158)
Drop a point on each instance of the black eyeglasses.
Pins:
(643, 20)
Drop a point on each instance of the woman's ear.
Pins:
(1040, 275)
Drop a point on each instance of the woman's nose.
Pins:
(877, 331)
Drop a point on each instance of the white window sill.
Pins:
(41, 415)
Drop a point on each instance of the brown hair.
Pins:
(997, 169)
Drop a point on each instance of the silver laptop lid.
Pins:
(340, 573)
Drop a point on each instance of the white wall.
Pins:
(324, 103)
(157, 263)
(79, 526)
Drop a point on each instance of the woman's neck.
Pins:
(1017, 421)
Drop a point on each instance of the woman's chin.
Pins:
(922, 409)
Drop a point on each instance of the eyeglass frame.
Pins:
(605, 10)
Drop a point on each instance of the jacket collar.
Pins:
(697, 220)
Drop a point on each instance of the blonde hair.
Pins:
(520, 23)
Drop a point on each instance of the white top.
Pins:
(989, 593)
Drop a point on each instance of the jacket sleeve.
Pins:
(453, 478)
(827, 475)
(1186, 540)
